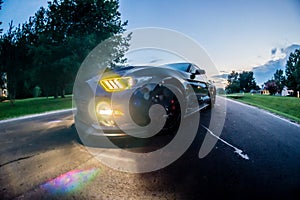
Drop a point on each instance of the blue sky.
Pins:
(237, 34)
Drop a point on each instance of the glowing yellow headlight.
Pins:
(106, 114)
(116, 84)
(104, 109)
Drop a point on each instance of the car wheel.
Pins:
(141, 102)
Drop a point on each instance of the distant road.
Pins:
(36, 150)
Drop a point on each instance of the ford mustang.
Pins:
(125, 98)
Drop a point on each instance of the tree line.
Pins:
(44, 54)
(290, 78)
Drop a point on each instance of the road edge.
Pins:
(265, 111)
(35, 115)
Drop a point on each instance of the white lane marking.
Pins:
(262, 110)
(35, 115)
(236, 150)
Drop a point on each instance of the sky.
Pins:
(236, 34)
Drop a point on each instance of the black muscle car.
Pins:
(125, 98)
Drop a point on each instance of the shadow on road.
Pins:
(221, 174)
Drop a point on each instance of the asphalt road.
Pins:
(257, 156)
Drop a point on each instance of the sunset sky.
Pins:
(237, 34)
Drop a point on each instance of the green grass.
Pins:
(288, 107)
(33, 106)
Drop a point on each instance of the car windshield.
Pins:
(180, 66)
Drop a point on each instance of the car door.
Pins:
(197, 80)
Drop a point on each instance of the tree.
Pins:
(271, 86)
(233, 83)
(8, 61)
(1, 2)
(247, 81)
(292, 71)
(240, 82)
(2, 81)
(279, 79)
(14, 61)
(70, 29)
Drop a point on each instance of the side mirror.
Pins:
(197, 72)
(200, 71)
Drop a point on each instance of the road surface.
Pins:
(256, 156)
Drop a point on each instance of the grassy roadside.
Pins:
(288, 107)
(33, 106)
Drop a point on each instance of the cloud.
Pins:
(264, 72)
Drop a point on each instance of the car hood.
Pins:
(136, 70)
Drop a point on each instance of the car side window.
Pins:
(192, 69)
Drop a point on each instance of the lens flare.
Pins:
(70, 181)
